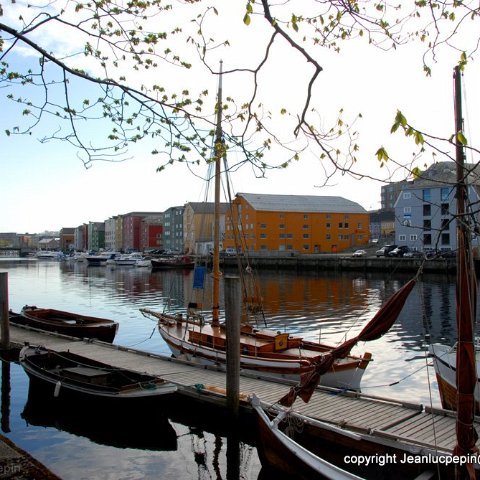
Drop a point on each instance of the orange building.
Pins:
(295, 223)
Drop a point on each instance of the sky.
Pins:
(45, 186)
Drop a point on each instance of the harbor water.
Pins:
(325, 306)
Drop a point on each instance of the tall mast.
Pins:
(466, 299)
(219, 152)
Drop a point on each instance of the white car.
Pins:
(359, 253)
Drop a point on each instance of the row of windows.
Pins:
(427, 238)
(282, 226)
(445, 194)
(305, 236)
(427, 210)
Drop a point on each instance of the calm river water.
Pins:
(324, 305)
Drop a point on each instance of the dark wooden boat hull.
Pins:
(172, 263)
(65, 377)
(66, 323)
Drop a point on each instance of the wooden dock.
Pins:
(423, 430)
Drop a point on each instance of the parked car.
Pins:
(413, 254)
(400, 251)
(383, 252)
(359, 253)
(448, 254)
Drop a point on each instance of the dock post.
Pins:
(4, 319)
(232, 323)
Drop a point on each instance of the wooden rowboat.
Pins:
(291, 458)
(66, 376)
(66, 323)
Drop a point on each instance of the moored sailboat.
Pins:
(457, 377)
(263, 351)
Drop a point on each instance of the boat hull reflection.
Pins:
(144, 429)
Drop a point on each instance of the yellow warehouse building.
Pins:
(295, 223)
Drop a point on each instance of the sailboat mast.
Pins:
(218, 153)
(466, 299)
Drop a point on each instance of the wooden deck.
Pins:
(424, 430)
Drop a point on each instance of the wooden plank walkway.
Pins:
(390, 420)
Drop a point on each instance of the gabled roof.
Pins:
(301, 203)
(206, 207)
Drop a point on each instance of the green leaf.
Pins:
(461, 138)
(382, 154)
(400, 120)
(416, 172)
(419, 140)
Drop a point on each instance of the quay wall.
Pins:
(348, 263)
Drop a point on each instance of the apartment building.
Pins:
(173, 229)
(198, 224)
(425, 209)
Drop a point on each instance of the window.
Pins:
(444, 194)
(263, 226)
(427, 239)
(427, 210)
(282, 225)
(427, 195)
(305, 217)
(445, 239)
(306, 247)
(306, 235)
(413, 238)
(306, 227)
(328, 225)
(263, 235)
(407, 209)
(427, 224)
(445, 224)
(402, 238)
(407, 195)
(328, 236)
(444, 209)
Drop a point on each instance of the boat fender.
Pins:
(21, 355)
(56, 392)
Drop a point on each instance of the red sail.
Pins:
(378, 326)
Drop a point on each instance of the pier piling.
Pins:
(232, 323)
(4, 319)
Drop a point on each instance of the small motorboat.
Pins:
(66, 323)
(67, 376)
(168, 262)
